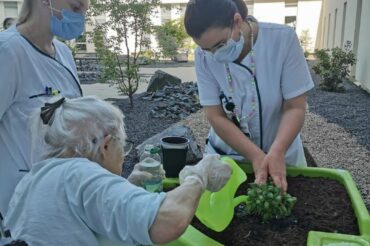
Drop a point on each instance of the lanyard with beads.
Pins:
(230, 106)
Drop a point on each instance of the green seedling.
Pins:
(267, 201)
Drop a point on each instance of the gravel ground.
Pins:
(336, 131)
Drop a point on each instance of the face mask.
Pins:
(231, 51)
(69, 27)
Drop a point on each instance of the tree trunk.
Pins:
(131, 98)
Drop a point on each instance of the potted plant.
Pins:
(316, 196)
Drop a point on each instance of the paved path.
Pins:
(105, 91)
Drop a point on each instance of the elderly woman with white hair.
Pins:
(76, 195)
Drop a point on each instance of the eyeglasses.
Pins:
(219, 45)
(128, 147)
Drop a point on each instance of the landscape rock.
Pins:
(161, 79)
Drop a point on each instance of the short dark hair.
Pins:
(200, 15)
(6, 20)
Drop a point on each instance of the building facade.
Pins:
(12, 8)
(9, 8)
(348, 20)
(303, 15)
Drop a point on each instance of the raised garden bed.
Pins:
(329, 211)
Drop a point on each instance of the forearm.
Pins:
(235, 138)
(290, 126)
(176, 212)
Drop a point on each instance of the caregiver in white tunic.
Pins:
(252, 79)
(33, 68)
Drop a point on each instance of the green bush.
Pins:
(333, 67)
(171, 37)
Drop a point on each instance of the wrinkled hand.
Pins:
(211, 172)
(138, 177)
(275, 161)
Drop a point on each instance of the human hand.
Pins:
(138, 177)
(275, 161)
(211, 172)
(260, 168)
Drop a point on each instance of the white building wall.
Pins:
(3, 15)
(356, 30)
(269, 11)
(308, 16)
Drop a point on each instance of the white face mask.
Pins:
(230, 51)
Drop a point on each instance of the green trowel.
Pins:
(216, 209)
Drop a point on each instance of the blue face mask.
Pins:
(230, 51)
(69, 27)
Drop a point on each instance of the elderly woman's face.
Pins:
(114, 155)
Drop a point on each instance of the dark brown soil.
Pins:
(322, 205)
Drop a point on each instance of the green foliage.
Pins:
(267, 201)
(171, 36)
(333, 67)
(127, 20)
(305, 40)
(73, 47)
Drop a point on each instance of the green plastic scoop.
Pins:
(216, 209)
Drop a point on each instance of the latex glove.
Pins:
(138, 177)
(211, 172)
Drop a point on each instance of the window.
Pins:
(335, 27)
(323, 33)
(11, 9)
(165, 13)
(291, 21)
(291, 3)
(328, 36)
(81, 47)
(343, 24)
(81, 39)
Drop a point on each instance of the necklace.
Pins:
(230, 106)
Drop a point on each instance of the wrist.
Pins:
(193, 179)
(278, 149)
(258, 156)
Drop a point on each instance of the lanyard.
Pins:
(230, 105)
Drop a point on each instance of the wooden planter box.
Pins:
(314, 238)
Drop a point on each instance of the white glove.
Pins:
(211, 172)
(138, 177)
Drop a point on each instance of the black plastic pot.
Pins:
(174, 152)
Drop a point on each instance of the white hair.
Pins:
(77, 128)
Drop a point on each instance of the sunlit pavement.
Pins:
(104, 91)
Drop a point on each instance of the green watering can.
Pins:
(216, 209)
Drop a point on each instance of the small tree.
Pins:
(171, 36)
(333, 67)
(128, 20)
(305, 40)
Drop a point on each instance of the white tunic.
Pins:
(25, 72)
(70, 202)
(282, 73)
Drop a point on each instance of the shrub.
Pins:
(333, 67)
